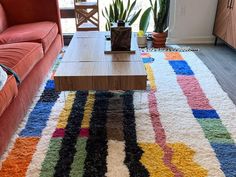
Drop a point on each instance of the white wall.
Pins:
(192, 21)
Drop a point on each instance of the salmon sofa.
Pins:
(30, 40)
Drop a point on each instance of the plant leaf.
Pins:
(151, 3)
(124, 15)
(121, 10)
(128, 5)
(111, 13)
(132, 20)
(131, 8)
(104, 16)
(144, 21)
(116, 12)
(155, 7)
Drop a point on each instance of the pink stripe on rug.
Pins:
(192, 89)
(160, 134)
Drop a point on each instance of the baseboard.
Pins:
(195, 40)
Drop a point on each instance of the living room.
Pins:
(117, 88)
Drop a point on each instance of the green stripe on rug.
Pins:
(215, 131)
(51, 158)
(68, 149)
(77, 167)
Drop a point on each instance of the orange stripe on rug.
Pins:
(19, 158)
(173, 56)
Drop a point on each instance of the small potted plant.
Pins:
(143, 26)
(119, 10)
(160, 17)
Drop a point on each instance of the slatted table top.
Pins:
(85, 66)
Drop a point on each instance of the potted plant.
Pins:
(143, 26)
(118, 10)
(160, 17)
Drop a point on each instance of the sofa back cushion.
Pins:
(3, 19)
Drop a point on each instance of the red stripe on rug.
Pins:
(160, 134)
(19, 158)
(60, 133)
(84, 132)
(192, 89)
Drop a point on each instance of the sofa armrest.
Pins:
(29, 11)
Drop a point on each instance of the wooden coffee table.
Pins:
(85, 66)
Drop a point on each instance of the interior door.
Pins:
(231, 30)
(223, 17)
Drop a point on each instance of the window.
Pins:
(68, 25)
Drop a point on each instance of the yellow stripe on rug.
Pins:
(63, 118)
(88, 109)
(183, 159)
(150, 76)
(152, 159)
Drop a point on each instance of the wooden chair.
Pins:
(86, 15)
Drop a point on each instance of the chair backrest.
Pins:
(3, 19)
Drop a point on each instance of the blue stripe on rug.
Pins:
(148, 60)
(38, 118)
(205, 114)
(50, 85)
(226, 153)
(181, 68)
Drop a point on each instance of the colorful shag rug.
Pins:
(184, 124)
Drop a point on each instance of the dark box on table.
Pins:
(121, 38)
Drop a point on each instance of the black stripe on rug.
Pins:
(95, 162)
(49, 94)
(68, 149)
(132, 150)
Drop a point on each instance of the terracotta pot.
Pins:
(159, 39)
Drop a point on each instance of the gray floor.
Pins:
(221, 60)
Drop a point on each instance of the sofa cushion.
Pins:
(3, 19)
(8, 93)
(21, 57)
(41, 32)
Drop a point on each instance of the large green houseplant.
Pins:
(160, 17)
(118, 10)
